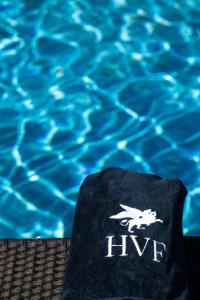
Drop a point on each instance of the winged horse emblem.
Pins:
(135, 217)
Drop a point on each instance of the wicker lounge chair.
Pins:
(34, 268)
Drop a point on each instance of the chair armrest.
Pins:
(34, 268)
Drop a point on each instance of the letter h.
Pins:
(110, 245)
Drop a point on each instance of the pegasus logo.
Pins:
(135, 217)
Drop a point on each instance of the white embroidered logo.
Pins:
(135, 217)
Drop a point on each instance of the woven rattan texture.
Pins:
(32, 269)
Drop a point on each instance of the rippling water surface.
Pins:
(90, 84)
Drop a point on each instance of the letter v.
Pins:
(137, 246)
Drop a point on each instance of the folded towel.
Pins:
(127, 240)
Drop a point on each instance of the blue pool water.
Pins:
(89, 84)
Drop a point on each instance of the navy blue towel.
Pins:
(127, 240)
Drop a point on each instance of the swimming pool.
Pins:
(90, 84)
